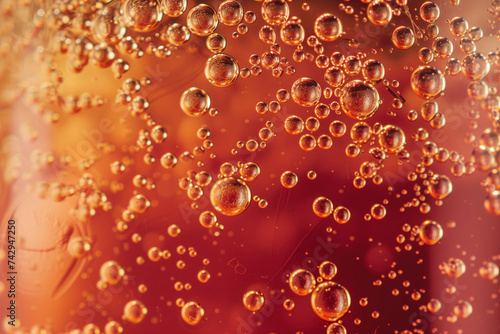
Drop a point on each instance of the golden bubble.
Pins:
(492, 203)
(216, 43)
(330, 301)
(294, 125)
(429, 12)
(192, 313)
(335, 328)
(454, 267)
(328, 27)
(174, 8)
(360, 101)
(392, 138)
(202, 20)
(322, 207)
(292, 32)
(288, 304)
(289, 179)
(327, 270)
(434, 305)
(230, 196)
(440, 186)
(195, 101)
(134, 311)
(306, 92)
(379, 12)
(430, 232)
(106, 26)
(139, 203)
(203, 276)
(307, 142)
(113, 327)
(341, 214)
(142, 15)
(111, 272)
(78, 247)
(403, 37)
(475, 66)
(442, 47)
(275, 12)
(221, 70)
(267, 34)
(373, 70)
(253, 300)
(378, 211)
(459, 26)
(230, 13)
(302, 282)
(489, 271)
(177, 34)
(360, 132)
(334, 76)
(428, 82)
(462, 309)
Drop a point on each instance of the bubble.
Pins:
(207, 219)
(113, 327)
(337, 128)
(174, 8)
(168, 160)
(302, 282)
(292, 32)
(192, 313)
(142, 15)
(203, 276)
(111, 272)
(202, 20)
(425, 55)
(253, 300)
(360, 101)
(267, 34)
(373, 70)
(327, 270)
(134, 311)
(352, 65)
(463, 309)
(270, 59)
(289, 179)
(378, 211)
(475, 33)
(249, 171)
(440, 186)
(230, 196)
(336, 329)
(360, 133)
(230, 13)
(139, 203)
(334, 76)
(403, 37)
(459, 26)
(294, 125)
(195, 101)
(306, 92)
(78, 247)
(288, 304)
(489, 271)
(379, 12)
(322, 207)
(177, 34)
(434, 305)
(330, 301)
(442, 47)
(221, 70)
(484, 157)
(492, 203)
(475, 66)
(275, 12)
(430, 232)
(454, 268)
(427, 82)
(328, 27)
(307, 142)
(429, 12)
(106, 26)
(392, 138)
(341, 214)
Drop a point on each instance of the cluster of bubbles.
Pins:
(347, 98)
